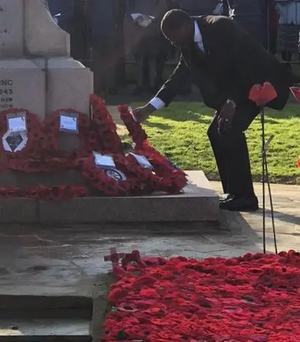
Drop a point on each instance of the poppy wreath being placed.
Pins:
(103, 183)
(104, 127)
(145, 180)
(140, 178)
(136, 132)
(173, 179)
(153, 180)
(34, 136)
(166, 177)
(138, 181)
(51, 129)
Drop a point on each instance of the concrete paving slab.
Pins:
(16, 210)
(44, 327)
(67, 261)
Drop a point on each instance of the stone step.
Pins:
(45, 318)
(41, 330)
(30, 306)
(198, 203)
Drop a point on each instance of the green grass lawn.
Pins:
(179, 132)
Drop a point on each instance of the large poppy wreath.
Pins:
(104, 127)
(42, 153)
(20, 144)
(51, 129)
(166, 177)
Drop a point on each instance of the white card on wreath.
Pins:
(17, 124)
(68, 123)
(104, 161)
(142, 160)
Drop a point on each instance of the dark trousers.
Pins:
(231, 151)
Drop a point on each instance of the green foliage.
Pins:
(179, 132)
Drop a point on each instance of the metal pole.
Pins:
(271, 205)
(265, 178)
(262, 118)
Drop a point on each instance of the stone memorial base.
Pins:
(198, 203)
(37, 72)
(43, 85)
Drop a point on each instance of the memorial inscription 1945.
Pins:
(6, 94)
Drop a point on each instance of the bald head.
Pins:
(178, 27)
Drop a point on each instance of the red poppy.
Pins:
(135, 129)
(214, 299)
(106, 129)
(262, 94)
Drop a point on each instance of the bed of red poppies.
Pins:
(254, 298)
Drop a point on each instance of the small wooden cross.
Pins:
(114, 257)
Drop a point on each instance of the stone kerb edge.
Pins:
(104, 209)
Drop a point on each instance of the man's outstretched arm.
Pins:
(167, 92)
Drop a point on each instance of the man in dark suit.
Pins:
(225, 62)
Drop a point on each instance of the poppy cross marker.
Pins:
(114, 257)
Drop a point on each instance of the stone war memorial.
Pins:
(103, 238)
(61, 157)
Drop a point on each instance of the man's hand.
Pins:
(142, 113)
(225, 117)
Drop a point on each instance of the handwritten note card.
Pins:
(17, 124)
(68, 123)
(104, 161)
(142, 160)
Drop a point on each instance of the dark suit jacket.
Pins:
(232, 63)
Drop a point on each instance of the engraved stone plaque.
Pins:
(11, 28)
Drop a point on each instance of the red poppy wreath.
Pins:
(52, 127)
(100, 180)
(136, 132)
(165, 177)
(174, 179)
(20, 133)
(137, 180)
(161, 177)
(104, 127)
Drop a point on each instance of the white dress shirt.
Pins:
(156, 102)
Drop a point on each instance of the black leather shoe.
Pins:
(236, 203)
(226, 198)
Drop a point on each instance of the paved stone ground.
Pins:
(66, 260)
(286, 200)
